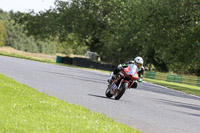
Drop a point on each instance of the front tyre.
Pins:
(121, 90)
(108, 94)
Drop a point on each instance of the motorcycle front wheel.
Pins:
(108, 94)
(121, 90)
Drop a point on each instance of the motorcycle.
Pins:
(124, 80)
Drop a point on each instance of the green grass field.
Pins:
(25, 110)
(190, 89)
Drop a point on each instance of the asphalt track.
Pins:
(149, 108)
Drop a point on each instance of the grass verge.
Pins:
(24, 109)
(27, 57)
(194, 90)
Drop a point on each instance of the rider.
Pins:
(138, 61)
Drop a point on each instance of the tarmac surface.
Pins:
(149, 108)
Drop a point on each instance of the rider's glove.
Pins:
(120, 68)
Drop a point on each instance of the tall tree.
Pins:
(164, 32)
(3, 34)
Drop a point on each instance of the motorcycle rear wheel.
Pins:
(121, 91)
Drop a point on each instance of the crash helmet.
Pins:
(138, 61)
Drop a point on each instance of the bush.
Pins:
(46, 47)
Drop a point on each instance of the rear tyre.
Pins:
(134, 85)
(108, 93)
(121, 91)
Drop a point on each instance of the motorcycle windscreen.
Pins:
(133, 71)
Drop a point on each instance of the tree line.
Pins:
(14, 35)
(166, 33)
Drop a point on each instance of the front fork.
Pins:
(114, 90)
(113, 87)
(119, 84)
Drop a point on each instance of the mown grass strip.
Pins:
(27, 57)
(190, 89)
(25, 110)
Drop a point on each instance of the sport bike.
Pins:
(124, 80)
